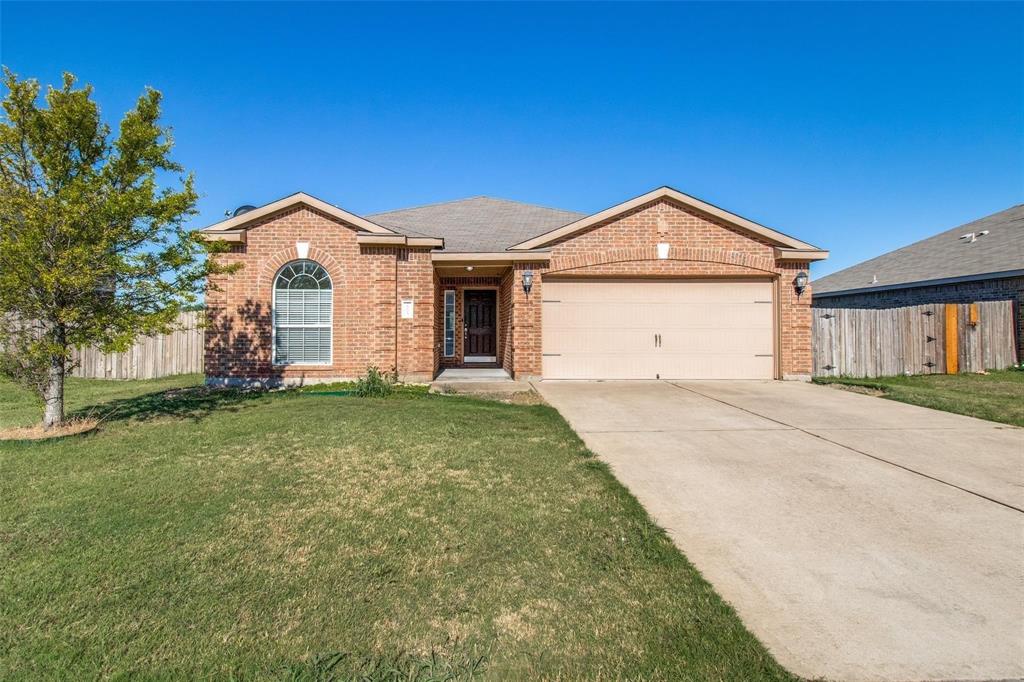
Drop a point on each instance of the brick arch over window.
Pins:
(650, 253)
(273, 264)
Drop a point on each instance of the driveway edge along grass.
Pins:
(995, 396)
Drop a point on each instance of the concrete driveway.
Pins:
(858, 538)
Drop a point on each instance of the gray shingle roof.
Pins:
(940, 257)
(475, 225)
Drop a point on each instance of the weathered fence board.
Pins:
(180, 352)
(863, 342)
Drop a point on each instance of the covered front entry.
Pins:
(658, 329)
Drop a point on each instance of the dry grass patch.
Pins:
(72, 427)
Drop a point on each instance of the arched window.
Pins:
(303, 311)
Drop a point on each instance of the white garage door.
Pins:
(649, 329)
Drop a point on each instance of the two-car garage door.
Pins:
(650, 329)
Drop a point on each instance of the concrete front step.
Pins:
(481, 387)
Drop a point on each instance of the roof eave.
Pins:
(808, 255)
(1003, 274)
(489, 257)
(236, 236)
(375, 239)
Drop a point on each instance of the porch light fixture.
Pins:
(800, 282)
(527, 281)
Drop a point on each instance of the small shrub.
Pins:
(375, 383)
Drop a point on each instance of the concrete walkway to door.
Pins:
(858, 538)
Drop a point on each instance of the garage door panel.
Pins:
(606, 315)
(707, 329)
(711, 341)
(718, 366)
(601, 365)
(593, 340)
(653, 291)
(715, 316)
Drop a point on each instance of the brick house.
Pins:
(661, 286)
(978, 261)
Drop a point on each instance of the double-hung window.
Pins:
(303, 314)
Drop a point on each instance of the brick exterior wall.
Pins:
(370, 282)
(626, 246)
(1005, 289)
(368, 285)
(506, 297)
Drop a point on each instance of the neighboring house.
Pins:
(979, 261)
(663, 285)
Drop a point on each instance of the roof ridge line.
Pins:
(478, 196)
(433, 203)
(525, 203)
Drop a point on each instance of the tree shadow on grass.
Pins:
(183, 403)
(232, 349)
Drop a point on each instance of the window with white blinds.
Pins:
(303, 313)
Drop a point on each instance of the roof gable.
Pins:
(241, 222)
(767, 233)
(940, 257)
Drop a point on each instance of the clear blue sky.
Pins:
(857, 127)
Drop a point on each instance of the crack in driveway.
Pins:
(847, 447)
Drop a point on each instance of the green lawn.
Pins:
(996, 396)
(296, 536)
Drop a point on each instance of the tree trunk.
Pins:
(53, 412)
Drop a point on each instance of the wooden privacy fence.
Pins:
(941, 338)
(180, 352)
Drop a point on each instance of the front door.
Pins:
(480, 333)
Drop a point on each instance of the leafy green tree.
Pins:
(93, 244)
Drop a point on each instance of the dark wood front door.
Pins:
(481, 328)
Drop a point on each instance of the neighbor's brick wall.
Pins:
(699, 247)
(1005, 289)
(239, 335)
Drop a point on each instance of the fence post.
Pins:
(952, 352)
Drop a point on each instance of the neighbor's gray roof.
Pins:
(475, 225)
(944, 256)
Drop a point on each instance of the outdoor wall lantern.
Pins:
(527, 281)
(800, 282)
